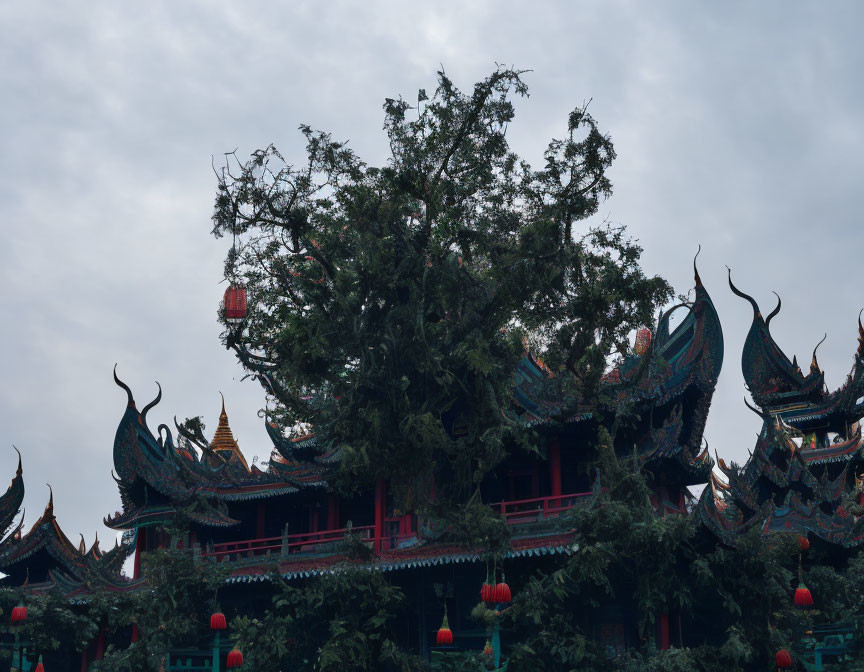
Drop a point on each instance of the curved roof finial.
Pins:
(19, 470)
(860, 334)
(151, 404)
(696, 270)
(761, 414)
(50, 508)
(120, 383)
(735, 290)
(814, 364)
(775, 311)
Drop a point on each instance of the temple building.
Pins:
(803, 474)
(283, 515)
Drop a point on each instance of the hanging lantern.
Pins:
(803, 542)
(803, 598)
(217, 621)
(235, 659)
(487, 591)
(39, 666)
(445, 634)
(487, 650)
(502, 592)
(19, 614)
(235, 302)
(784, 659)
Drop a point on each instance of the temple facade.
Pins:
(180, 490)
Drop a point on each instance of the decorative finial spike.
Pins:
(19, 471)
(814, 364)
(860, 335)
(152, 403)
(775, 311)
(756, 313)
(696, 277)
(130, 400)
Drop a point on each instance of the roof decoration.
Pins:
(802, 474)
(674, 370)
(223, 440)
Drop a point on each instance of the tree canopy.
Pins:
(388, 305)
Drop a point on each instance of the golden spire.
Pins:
(223, 439)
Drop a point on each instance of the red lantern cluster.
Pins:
(784, 659)
(19, 614)
(803, 598)
(445, 634)
(803, 543)
(235, 659)
(217, 621)
(501, 594)
(235, 303)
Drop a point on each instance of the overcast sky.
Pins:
(738, 126)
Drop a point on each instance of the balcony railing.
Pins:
(288, 544)
(518, 512)
(538, 509)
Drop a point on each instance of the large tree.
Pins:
(388, 305)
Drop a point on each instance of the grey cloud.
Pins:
(737, 128)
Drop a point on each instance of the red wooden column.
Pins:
(554, 455)
(332, 511)
(380, 513)
(663, 631)
(140, 545)
(84, 660)
(100, 645)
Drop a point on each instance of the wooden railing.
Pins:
(518, 512)
(538, 509)
(288, 544)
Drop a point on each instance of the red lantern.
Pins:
(487, 650)
(235, 659)
(235, 303)
(217, 621)
(445, 634)
(19, 614)
(803, 598)
(502, 592)
(803, 543)
(39, 666)
(784, 659)
(487, 591)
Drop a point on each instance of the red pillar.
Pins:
(100, 646)
(663, 634)
(380, 512)
(555, 467)
(84, 660)
(261, 521)
(140, 545)
(135, 635)
(332, 512)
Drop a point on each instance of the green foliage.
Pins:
(737, 603)
(397, 298)
(337, 622)
(172, 611)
